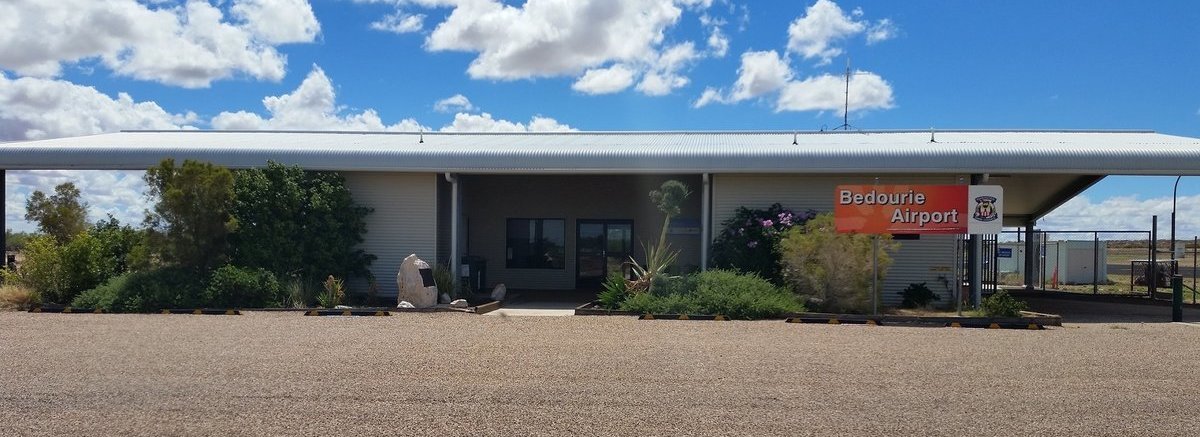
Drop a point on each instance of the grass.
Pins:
(17, 297)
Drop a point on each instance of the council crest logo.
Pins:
(985, 209)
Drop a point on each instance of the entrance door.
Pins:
(601, 247)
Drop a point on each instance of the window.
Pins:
(536, 244)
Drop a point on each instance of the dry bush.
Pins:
(19, 297)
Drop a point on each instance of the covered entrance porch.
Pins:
(550, 236)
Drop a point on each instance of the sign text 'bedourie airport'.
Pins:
(919, 209)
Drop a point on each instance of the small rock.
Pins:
(499, 292)
(404, 304)
(458, 303)
(343, 307)
(444, 298)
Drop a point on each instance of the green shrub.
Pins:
(736, 295)
(334, 292)
(41, 269)
(613, 291)
(298, 293)
(1002, 304)
(749, 241)
(240, 287)
(443, 278)
(917, 296)
(832, 268)
(147, 291)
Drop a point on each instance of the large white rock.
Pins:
(415, 286)
(499, 292)
(459, 303)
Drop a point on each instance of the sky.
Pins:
(81, 67)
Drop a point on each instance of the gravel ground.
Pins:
(458, 374)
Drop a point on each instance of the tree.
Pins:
(297, 223)
(192, 218)
(60, 215)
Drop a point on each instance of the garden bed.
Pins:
(1027, 317)
(482, 308)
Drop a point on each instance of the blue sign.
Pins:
(1004, 252)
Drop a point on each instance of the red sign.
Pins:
(917, 209)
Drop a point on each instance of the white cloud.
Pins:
(824, 24)
(661, 84)
(710, 95)
(1126, 213)
(278, 21)
(400, 22)
(718, 43)
(604, 80)
(882, 30)
(761, 73)
(312, 106)
(457, 102)
(827, 92)
(663, 76)
(485, 123)
(119, 193)
(33, 108)
(187, 45)
(606, 45)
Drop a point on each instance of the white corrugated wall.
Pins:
(928, 260)
(404, 221)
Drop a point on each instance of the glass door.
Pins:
(601, 247)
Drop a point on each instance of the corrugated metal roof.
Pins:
(1073, 152)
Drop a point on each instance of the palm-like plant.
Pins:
(669, 199)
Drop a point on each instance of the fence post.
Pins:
(1195, 241)
(1177, 298)
(1152, 274)
(1095, 263)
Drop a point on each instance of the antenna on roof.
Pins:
(794, 142)
(421, 135)
(846, 105)
(931, 137)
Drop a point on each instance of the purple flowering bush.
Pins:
(749, 241)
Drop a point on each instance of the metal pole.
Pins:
(1152, 274)
(1030, 249)
(1195, 245)
(958, 265)
(1095, 263)
(1042, 254)
(705, 206)
(875, 274)
(455, 211)
(1174, 197)
(1176, 298)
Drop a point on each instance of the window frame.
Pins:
(508, 261)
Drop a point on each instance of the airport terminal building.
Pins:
(557, 211)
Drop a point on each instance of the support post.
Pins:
(1176, 298)
(974, 256)
(1030, 258)
(455, 211)
(875, 274)
(1095, 263)
(4, 216)
(705, 216)
(1152, 270)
